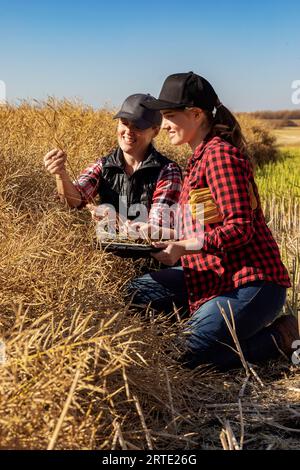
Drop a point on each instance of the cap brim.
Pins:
(160, 104)
(139, 123)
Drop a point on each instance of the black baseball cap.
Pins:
(134, 109)
(182, 90)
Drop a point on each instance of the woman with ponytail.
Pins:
(230, 260)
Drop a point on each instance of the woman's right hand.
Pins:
(55, 162)
(100, 212)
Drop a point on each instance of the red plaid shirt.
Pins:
(238, 250)
(166, 193)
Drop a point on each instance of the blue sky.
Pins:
(102, 51)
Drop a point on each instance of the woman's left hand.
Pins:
(170, 252)
(135, 230)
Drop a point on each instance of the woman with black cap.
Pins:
(227, 252)
(134, 176)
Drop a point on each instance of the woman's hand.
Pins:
(171, 252)
(135, 230)
(54, 162)
(148, 231)
(106, 220)
(98, 213)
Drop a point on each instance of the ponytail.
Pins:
(224, 124)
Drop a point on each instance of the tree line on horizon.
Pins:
(280, 114)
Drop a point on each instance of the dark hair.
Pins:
(224, 124)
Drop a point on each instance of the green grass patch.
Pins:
(281, 178)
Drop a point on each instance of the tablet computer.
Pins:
(127, 248)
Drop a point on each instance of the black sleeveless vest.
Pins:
(135, 189)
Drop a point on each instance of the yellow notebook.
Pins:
(212, 213)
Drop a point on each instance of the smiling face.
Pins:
(132, 140)
(183, 125)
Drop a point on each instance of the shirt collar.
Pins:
(198, 152)
(151, 159)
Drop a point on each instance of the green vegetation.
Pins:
(279, 188)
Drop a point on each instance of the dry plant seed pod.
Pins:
(53, 126)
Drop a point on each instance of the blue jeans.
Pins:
(207, 339)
